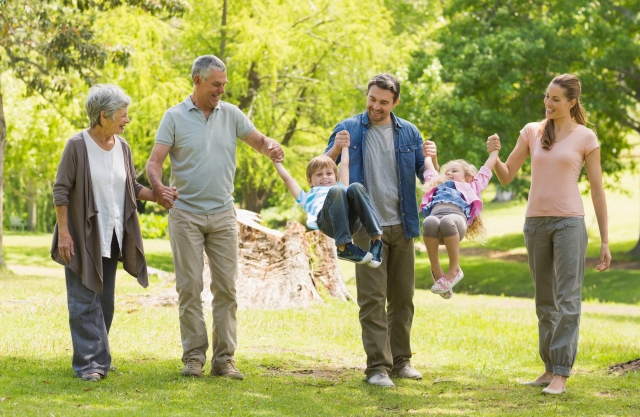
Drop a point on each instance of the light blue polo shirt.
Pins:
(203, 154)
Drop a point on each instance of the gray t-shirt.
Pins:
(203, 154)
(381, 174)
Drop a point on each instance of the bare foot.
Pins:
(557, 385)
(546, 377)
(541, 381)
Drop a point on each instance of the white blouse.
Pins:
(108, 178)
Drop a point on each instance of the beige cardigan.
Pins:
(73, 189)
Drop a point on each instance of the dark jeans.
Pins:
(345, 211)
(90, 317)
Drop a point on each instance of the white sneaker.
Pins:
(381, 380)
(408, 372)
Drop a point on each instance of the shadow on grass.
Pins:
(496, 277)
(31, 386)
(160, 260)
(149, 387)
(40, 256)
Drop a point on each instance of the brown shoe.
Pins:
(192, 367)
(227, 369)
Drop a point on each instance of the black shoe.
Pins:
(375, 247)
(353, 253)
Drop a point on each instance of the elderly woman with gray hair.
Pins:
(97, 224)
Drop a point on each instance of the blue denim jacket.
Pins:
(408, 152)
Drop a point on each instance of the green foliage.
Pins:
(495, 60)
(295, 68)
(151, 78)
(276, 217)
(36, 134)
(154, 226)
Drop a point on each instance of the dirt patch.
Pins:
(623, 368)
(327, 374)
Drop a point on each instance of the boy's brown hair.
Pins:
(321, 162)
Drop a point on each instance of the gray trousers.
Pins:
(385, 297)
(557, 248)
(217, 234)
(90, 317)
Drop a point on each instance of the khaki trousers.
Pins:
(385, 297)
(217, 235)
(557, 248)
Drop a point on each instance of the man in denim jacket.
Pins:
(386, 156)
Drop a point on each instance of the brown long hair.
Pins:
(476, 229)
(571, 85)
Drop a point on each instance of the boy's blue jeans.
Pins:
(345, 211)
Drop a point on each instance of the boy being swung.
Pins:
(336, 208)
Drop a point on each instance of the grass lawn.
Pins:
(474, 350)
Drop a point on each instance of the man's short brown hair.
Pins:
(386, 82)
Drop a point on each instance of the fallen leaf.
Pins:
(46, 382)
(88, 389)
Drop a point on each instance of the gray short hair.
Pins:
(107, 98)
(386, 82)
(203, 65)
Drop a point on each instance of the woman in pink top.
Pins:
(554, 231)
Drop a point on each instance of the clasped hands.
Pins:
(165, 195)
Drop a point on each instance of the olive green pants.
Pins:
(557, 248)
(385, 297)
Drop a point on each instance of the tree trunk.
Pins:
(276, 270)
(502, 195)
(32, 199)
(223, 30)
(3, 141)
(253, 199)
(635, 252)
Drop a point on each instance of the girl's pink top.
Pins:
(555, 173)
(469, 190)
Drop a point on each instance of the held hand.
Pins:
(493, 143)
(164, 195)
(65, 246)
(276, 153)
(605, 257)
(343, 139)
(170, 194)
(429, 149)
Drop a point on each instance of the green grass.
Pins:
(473, 351)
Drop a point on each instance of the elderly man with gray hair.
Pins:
(199, 135)
(95, 196)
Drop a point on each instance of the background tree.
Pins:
(46, 44)
(35, 139)
(295, 68)
(496, 58)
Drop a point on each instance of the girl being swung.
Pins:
(451, 209)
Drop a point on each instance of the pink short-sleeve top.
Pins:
(555, 173)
